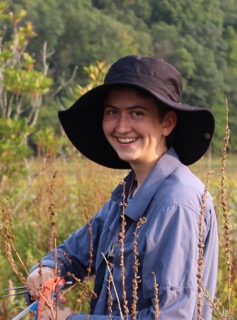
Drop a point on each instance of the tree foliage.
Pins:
(13, 134)
(21, 86)
(199, 38)
(21, 91)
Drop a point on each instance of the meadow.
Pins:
(71, 189)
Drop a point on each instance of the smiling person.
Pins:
(135, 129)
(135, 120)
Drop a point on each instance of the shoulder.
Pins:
(184, 189)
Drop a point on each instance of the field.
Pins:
(79, 188)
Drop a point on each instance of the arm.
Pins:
(172, 253)
(71, 256)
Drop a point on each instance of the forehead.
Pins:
(129, 93)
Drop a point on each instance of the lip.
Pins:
(126, 140)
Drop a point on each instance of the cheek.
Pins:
(106, 127)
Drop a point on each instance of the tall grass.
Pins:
(45, 208)
(78, 191)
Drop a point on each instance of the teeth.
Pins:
(126, 140)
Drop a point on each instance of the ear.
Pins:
(169, 122)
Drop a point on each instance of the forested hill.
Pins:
(199, 37)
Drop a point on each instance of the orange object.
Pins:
(48, 294)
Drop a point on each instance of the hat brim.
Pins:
(82, 123)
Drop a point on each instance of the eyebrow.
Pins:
(130, 108)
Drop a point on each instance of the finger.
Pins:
(60, 284)
(36, 279)
(61, 298)
(34, 293)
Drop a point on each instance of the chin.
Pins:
(127, 159)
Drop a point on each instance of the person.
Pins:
(135, 120)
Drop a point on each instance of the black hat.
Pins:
(82, 122)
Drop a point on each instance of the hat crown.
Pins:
(148, 73)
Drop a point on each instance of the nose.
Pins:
(123, 124)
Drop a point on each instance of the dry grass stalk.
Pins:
(201, 249)
(136, 277)
(216, 312)
(9, 246)
(53, 233)
(85, 295)
(122, 248)
(8, 235)
(91, 240)
(7, 231)
(113, 284)
(53, 241)
(89, 269)
(156, 291)
(110, 297)
(225, 207)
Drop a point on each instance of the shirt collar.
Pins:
(136, 207)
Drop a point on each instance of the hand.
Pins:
(60, 314)
(37, 278)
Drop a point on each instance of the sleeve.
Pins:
(172, 254)
(74, 253)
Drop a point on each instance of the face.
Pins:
(132, 125)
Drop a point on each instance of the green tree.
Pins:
(198, 37)
(47, 19)
(21, 91)
(13, 135)
(95, 36)
(21, 86)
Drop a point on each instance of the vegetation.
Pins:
(28, 200)
(55, 197)
(55, 51)
(80, 189)
(59, 39)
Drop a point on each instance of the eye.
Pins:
(111, 112)
(137, 113)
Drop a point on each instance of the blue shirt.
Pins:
(167, 244)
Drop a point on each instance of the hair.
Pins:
(162, 108)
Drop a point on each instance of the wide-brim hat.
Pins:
(82, 122)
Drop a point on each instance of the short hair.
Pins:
(163, 109)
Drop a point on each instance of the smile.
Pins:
(126, 140)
